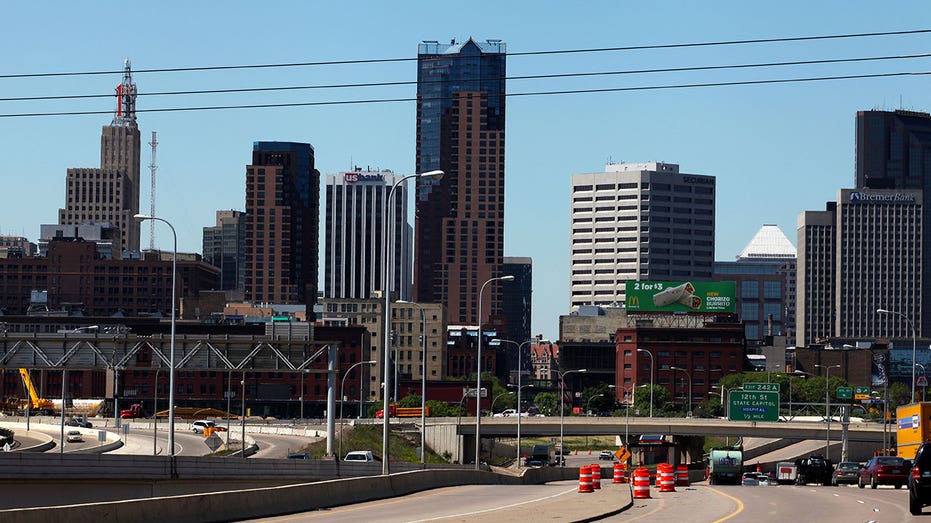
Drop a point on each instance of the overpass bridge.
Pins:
(457, 436)
(93, 350)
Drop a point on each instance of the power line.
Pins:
(527, 53)
(523, 77)
(508, 95)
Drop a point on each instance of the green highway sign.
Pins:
(752, 405)
(763, 387)
(844, 393)
(861, 393)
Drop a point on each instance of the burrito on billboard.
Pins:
(669, 296)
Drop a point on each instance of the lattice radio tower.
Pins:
(152, 167)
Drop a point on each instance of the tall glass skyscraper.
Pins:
(459, 228)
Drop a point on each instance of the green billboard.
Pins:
(672, 296)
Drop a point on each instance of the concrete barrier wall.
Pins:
(266, 502)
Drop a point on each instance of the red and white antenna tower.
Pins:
(152, 167)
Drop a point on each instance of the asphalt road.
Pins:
(473, 504)
(701, 503)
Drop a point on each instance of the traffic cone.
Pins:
(758, 467)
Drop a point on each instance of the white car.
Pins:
(199, 425)
(363, 456)
(74, 436)
(505, 413)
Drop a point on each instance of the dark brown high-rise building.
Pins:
(459, 231)
(110, 193)
(282, 215)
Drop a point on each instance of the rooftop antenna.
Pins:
(152, 167)
(125, 98)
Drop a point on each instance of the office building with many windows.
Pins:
(355, 226)
(282, 217)
(638, 222)
(110, 193)
(225, 247)
(459, 226)
(863, 253)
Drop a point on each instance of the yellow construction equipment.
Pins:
(35, 403)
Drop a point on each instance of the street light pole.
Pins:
(243, 415)
(827, 407)
(589, 402)
(423, 380)
(562, 402)
(689, 414)
(650, 354)
(342, 399)
(478, 373)
(914, 345)
(171, 358)
(518, 420)
(155, 415)
(385, 462)
(923, 387)
(520, 348)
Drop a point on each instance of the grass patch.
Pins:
(403, 445)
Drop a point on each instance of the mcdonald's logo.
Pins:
(633, 301)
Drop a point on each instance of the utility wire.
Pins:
(524, 77)
(508, 95)
(527, 53)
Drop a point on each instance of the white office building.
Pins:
(644, 221)
(354, 229)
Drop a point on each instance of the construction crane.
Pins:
(34, 402)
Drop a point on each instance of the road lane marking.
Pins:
(493, 509)
(740, 505)
(660, 506)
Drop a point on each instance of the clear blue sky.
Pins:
(776, 150)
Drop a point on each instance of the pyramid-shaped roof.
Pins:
(769, 243)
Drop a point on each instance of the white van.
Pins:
(360, 456)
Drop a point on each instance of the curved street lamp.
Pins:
(436, 175)
(520, 349)
(562, 402)
(689, 414)
(171, 357)
(423, 380)
(652, 366)
(914, 346)
(342, 399)
(827, 407)
(478, 373)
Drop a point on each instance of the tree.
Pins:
(547, 403)
(642, 400)
(600, 398)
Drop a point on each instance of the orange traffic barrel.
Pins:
(641, 483)
(666, 475)
(620, 475)
(682, 475)
(585, 479)
(596, 476)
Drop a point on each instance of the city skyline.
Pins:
(790, 144)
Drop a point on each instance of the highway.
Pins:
(472, 503)
(701, 503)
(698, 503)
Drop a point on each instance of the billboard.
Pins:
(671, 296)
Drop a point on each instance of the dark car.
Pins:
(845, 472)
(919, 480)
(883, 470)
(78, 422)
